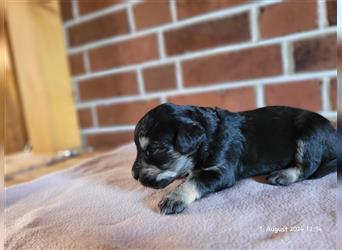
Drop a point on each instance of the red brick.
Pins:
(124, 113)
(87, 6)
(76, 64)
(109, 140)
(123, 53)
(160, 78)
(305, 94)
(208, 34)
(233, 66)
(233, 100)
(148, 14)
(99, 28)
(66, 9)
(288, 17)
(108, 86)
(333, 94)
(315, 54)
(85, 118)
(332, 12)
(188, 8)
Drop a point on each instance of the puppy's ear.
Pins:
(189, 136)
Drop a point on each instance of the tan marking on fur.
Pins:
(165, 175)
(144, 141)
(188, 192)
(300, 151)
(150, 170)
(182, 164)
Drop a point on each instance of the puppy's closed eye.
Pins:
(154, 148)
(147, 152)
(150, 151)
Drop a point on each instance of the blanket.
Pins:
(98, 205)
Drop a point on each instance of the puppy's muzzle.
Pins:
(148, 180)
(153, 183)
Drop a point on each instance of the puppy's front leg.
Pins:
(197, 185)
(177, 200)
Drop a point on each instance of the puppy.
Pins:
(215, 148)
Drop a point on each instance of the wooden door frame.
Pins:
(36, 34)
(15, 129)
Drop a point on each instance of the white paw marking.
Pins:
(293, 173)
(187, 192)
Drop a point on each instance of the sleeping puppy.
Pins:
(214, 148)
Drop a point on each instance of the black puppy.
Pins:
(216, 148)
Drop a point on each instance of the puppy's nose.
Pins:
(135, 174)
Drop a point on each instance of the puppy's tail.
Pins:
(325, 169)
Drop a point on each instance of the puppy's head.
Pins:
(166, 139)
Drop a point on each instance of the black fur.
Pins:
(225, 147)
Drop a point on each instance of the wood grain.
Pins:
(16, 136)
(35, 30)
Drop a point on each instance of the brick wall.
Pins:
(128, 56)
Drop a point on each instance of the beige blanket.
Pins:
(98, 205)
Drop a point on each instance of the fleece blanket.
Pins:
(98, 205)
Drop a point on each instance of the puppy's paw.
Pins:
(279, 178)
(285, 177)
(171, 205)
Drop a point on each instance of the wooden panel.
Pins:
(2, 115)
(36, 35)
(16, 137)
